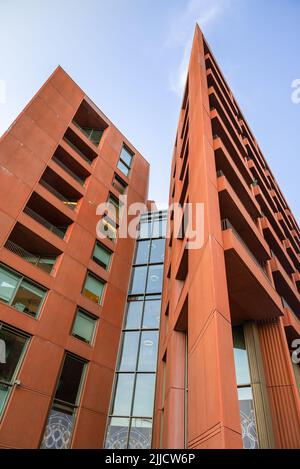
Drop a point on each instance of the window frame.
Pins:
(23, 278)
(109, 251)
(91, 316)
(12, 382)
(129, 167)
(89, 272)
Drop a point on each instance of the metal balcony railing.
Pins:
(77, 150)
(58, 230)
(45, 263)
(226, 225)
(69, 171)
(94, 135)
(72, 204)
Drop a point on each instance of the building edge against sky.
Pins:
(230, 310)
(63, 291)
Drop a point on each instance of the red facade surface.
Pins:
(245, 275)
(35, 158)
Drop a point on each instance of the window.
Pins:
(116, 206)
(148, 351)
(144, 395)
(123, 394)
(59, 427)
(157, 251)
(129, 351)
(84, 326)
(107, 228)
(142, 252)
(125, 161)
(102, 255)
(245, 396)
(134, 315)
(155, 278)
(151, 314)
(138, 280)
(93, 288)
(119, 184)
(13, 347)
(22, 294)
(94, 135)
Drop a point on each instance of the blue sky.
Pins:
(130, 56)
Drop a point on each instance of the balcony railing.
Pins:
(226, 225)
(58, 230)
(45, 263)
(94, 135)
(69, 171)
(72, 204)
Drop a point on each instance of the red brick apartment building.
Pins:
(231, 309)
(62, 291)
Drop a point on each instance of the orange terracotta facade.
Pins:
(27, 150)
(239, 275)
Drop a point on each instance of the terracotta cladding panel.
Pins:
(25, 151)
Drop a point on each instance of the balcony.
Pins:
(251, 294)
(47, 215)
(90, 123)
(60, 188)
(220, 131)
(79, 146)
(70, 165)
(32, 248)
(232, 209)
(276, 245)
(291, 322)
(279, 216)
(285, 285)
(267, 211)
(227, 166)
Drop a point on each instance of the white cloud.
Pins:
(203, 12)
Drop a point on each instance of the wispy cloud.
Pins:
(203, 12)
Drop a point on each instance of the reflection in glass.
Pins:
(58, 431)
(157, 251)
(138, 280)
(134, 315)
(117, 433)
(145, 229)
(249, 435)
(155, 277)
(140, 433)
(240, 356)
(142, 252)
(148, 351)
(123, 395)
(151, 314)
(129, 351)
(144, 395)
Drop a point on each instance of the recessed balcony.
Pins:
(285, 286)
(70, 166)
(47, 215)
(276, 245)
(251, 294)
(32, 248)
(60, 188)
(79, 146)
(225, 165)
(291, 322)
(90, 123)
(232, 209)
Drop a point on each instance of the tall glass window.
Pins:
(130, 421)
(245, 396)
(13, 344)
(125, 160)
(59, 427)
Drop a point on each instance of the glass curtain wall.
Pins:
(130, 421)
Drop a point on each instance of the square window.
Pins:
(93, 288)
(84, 327)
(8, 284)
(119, 184)
(102, 255)
(28, 298)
